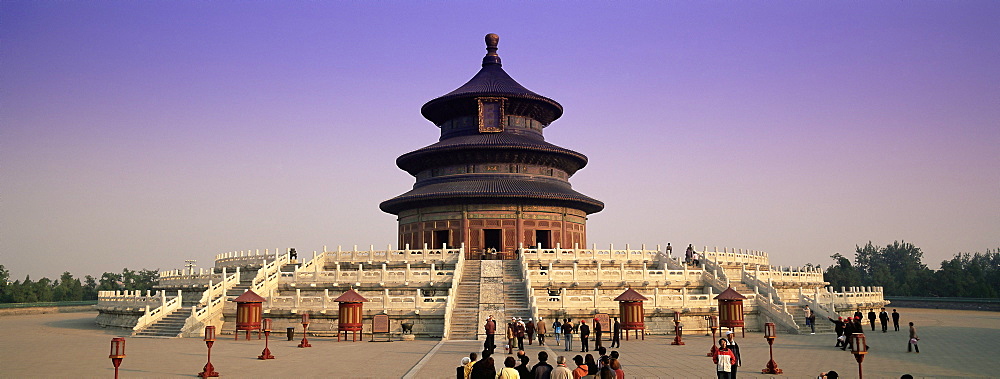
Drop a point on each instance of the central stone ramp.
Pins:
(490, 287)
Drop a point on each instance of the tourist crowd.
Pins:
(605, 366)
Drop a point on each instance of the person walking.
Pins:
(519, 333)
(512, 335)
(541, 329)
(735, 348)
(883, 317)
(689, 254)
(807, 312)
(584, 335)
(490, 328)
(557, 330)
(598, 332)
(871, 318)
(895, 319)
(529, 330)
(567, 328)
(851, 327)
(838, 327)
(912, 343)
(812, 321)
(616, 334)
(724, 360)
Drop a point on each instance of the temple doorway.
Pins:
(493, 239)
(441, 239)
(543, 238)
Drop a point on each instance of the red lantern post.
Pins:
(770, 333)
(266, 354)
(678, 329)
(117, 352)
(305, 330)
(713, 323)
(209, 370)
(859, 350)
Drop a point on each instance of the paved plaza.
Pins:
(953, 344)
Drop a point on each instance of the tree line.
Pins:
(898, 268)
(68, 288)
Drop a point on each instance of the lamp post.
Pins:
(266, 354)
(305, 331)
(678, 329)
(209, 370)
(770, 334)
(859, 350)
(713, 323)
(117, 352)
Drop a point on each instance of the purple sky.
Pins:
(139, 134)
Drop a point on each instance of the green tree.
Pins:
(969, 275)
(24, 292)
(896, 267)
(89, 288)
(43, 289)
(842, 273)
(4, 287)
(110, 282)
(68, 288)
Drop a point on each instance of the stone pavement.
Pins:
(953, 344)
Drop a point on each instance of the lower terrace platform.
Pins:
(952, 346)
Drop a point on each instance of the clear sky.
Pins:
(141, 133)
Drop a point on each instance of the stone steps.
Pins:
(169, 326)
(465, 314)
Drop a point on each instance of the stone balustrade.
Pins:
(369, 276)
(603, 299)
(176, 278)
(737, 257)
(389, 255)
(376, 301)
(129, 299)
(791, 275)
(245, 258)
(854, 297)
(613, 274)
(533, 255)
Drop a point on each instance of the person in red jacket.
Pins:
(724, 360)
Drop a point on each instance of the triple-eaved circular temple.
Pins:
(492, 181)
(491, 227)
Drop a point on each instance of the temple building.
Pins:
(492, 181)
(491, 187)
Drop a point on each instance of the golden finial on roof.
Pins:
(491, 43)
(491, 57)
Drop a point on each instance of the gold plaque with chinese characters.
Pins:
(491, 117)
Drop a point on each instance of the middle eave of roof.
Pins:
(490, 81)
